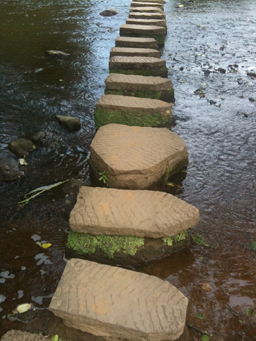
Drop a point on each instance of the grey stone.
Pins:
(142, 30)
(147, 4)
(152, 22)
(149, 43)
(18, 335)
(109, 12)
(134, 52)
(39, 137)
(117, 303)
(9, 169)
(136, 157)
(131, 213)
(146, 15)
(147, 9)
(21, 147)
(71, 123)
(58, 54)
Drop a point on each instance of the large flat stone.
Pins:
(131, 213)
(140, 86)
(149, 1)
(151, 22)
(156, 32)
(148, 43)
(118, 303)
(147, 4)
(147, 9)
(146, 15)
(134, 52)
(136, 157)
(145, 66)
(145, 112)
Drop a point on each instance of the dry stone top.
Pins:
(147, 66)
(146, 15)
(132, 111)
(131, 213)
(152, 22)
(136, 157)
(149, 43)
(142, 29)
(117, 303)
(140, 86)
(158, 1)
(153, 9)
(134, 52)
(146, 4)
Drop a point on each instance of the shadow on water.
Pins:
(209, 49)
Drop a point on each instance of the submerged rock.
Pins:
(56, 53)
(72, 186)
(71, 123)
(19, 335)
(39, 137)
(9, 169)
(108, 12)
(21, 147)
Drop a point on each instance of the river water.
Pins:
(209, 49)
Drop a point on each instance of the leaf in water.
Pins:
(39, 244)
(205, 338)
(55, 338)
(23, 162)
(46, 245)
(200, 316)
(170, 184)
(250, 311)
(22, 308)
(207, 287)
(199, 240)
(34, 147)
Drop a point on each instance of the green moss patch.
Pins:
(135, 118)
(84, 243)
(173, 239)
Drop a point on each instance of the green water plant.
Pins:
(103, 177)
(173, 239)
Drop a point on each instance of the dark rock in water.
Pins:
(212, 102)
(9, 169)
(56, 53)
(71, 123)
(72, 186)
(109, 12)
(21, 147)
(252, 99)
(221, 70)
(251, 74)
(39, 137)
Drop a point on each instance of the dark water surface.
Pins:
(213, 114)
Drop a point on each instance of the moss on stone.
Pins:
(84, 243)
(139, 93)
(135, 118)
(173, 239)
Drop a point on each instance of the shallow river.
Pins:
(209, 49)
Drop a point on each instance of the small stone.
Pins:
(39, 137)
(38, 70)
(119, 304)
(221, 70)
(73, 186)
(71, 123)
(58, 54)
(9, 169)
(252, 99)
(109, 12)
(21, 147)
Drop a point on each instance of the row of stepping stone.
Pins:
(127, 224)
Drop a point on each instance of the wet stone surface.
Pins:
(133, 52)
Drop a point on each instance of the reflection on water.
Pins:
(209, 49)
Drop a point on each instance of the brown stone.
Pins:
(117, 303)
(134, 52)
(146, 1)
(146, 15)
(149, 9)
(148, 66)
(18, 335)
(140, 86)
(147, 4)
(136, 157)
(152, 22)
(142, 30)
(131, 213)
(149, 43)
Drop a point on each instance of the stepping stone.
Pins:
(151, 22)
(111, 211)
(146, 1)
(147, 4)
(146, 15)
(136, 157)
(149, 43)
(140, 86)
(147, 9)
(134, 52)
(145, 66)
(145, 112)
(145, 31)
(119, 304)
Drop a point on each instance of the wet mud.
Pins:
(210, 53)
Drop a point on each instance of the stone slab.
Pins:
(136, 157)
(151, 22)
(149, 43)
(140, 86)
(131, 213)
(132, 111)
(134, 52)
(117, 303)
(142, 30)
(159, 1)
(147, 9)
(18, 335)
(146, 15)
(145, 66)
(147, 4)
